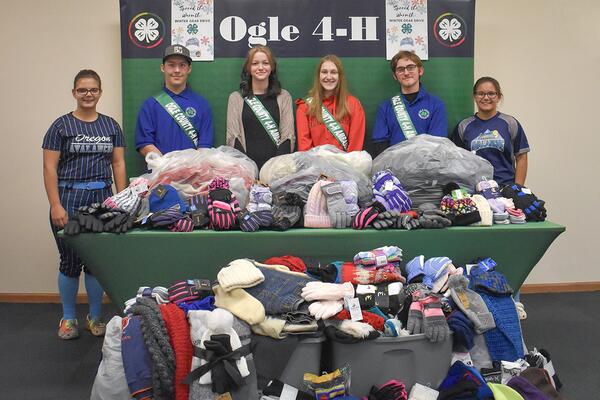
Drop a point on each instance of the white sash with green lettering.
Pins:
(335, 128)
(178, 115)
(403, 118)
(264, 117)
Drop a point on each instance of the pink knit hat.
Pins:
(315, 212)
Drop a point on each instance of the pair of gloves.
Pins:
(431, 217)
(524, 199)
(337, 208)
(222, 205)
(287, 210)
(378, 217)
(252, 221)
(173, 219)
(260, 198)
(98, 218)
(388, 191)
(327, 298)
(426, 316)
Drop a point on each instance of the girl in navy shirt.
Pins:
(83, 150)
(495, 136)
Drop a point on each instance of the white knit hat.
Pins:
(240, 273)
(485, 211)
(315, 212)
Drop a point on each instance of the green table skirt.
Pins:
(123, 263)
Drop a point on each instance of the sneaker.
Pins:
(520, 310)
(96, 326)
(67, 329)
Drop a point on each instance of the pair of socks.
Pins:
(68, 287)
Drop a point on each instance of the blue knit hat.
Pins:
(165, 196)
(459, 373)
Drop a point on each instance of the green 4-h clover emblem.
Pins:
(192, 29)
(423, 113)
(190, 112)
(406, 28)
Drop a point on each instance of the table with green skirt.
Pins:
(123, 263)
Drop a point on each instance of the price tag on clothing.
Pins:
(468, 267)
(141, 188)
(288, 392)
(353, 307)
(394, 288)
(381, 260)
(160, 191)
(389, 185)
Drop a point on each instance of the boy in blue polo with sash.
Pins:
(413, 111)
(177, 118)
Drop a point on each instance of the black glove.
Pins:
(198, 206)
(386, 220)
(406, 221)
(525, 200)
(88, 217)
(72, 226)
(431, 217)
(391, 390)
(365, 217)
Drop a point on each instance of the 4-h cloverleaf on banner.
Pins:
(146, 30)
(450, 29)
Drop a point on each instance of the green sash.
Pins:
(265, 118)
(178, 115)
(335, 128)
(403, 118)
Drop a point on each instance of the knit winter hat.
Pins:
(526, 389)
(315, 214)
(485, 211)
(292, 262)
(240, 273)
(503, 392)
(163, 197)
(179, 334)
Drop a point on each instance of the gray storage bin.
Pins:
(409, 359)
(306, 358)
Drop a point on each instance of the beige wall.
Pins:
(523, 44)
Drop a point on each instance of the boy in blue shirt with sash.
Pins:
(413, 111)
(177, 118)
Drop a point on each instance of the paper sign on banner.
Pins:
(192, 27)
(406, 27)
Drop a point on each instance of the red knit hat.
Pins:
(179, 335)
(292, 262)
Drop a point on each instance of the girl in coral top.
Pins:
(330, 114)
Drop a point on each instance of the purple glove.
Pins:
(260, 198)
(388, 190)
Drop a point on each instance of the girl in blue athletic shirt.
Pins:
(495, 136)
(83, 151)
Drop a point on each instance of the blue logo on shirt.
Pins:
(488, 140)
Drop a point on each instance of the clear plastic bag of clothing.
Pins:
(190, 171)
(298, 172)
(425, 163)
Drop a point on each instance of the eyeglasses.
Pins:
(83, 91)
(408, 68)
(491, 95)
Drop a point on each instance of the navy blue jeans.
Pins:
(280, 291)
